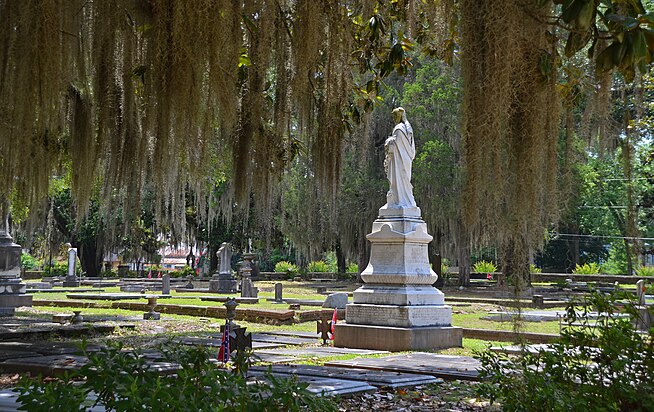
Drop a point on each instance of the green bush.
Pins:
(645, 271)
(318, 266)
(587, 269)
(56, 269)
(29, 262)
(484, 267)
(534, 269)
(286, 267)
(607, 366)
(122, 381)
(352, 268)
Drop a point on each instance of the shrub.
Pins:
(29, 262)
(56, 269)
(318, 266)
(534, 269)
(607, 366)
(645, 271)
(122, 381)
(587, 269)
(286, 267)
(352, 268)
(484, 267)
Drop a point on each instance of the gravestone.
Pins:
(397, 308)
(223, 281)
(165, 284)
(278, 292)
(71, 279)
(247, 289)
(152, 305)
(336, 300)
(12, 289)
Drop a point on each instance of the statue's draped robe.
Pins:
(401, 150)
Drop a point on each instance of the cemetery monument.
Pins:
(12, 289)
(223, 281)
(397, 308)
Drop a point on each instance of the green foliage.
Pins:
(352, 268)
(645, 271)
(331, 261)
(604, 367)
(617, 261)
(29, 262)
(122, 381)
(286, 267)
(56, 269)
(534, 269)
(587, 269)
(318, 266)
(484, 267)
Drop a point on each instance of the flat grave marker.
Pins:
(442, 366)
(372, 377)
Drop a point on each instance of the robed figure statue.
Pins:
(400, 151)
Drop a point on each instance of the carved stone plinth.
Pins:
(12, 289)
(397, 309)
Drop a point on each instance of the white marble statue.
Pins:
(400, 150)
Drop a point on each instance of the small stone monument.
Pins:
(640, 292)
(152, 305)
(278, 292)
(12, 289)
(398, 309)
(247, 289)
(223, 281)
(165, 284)
(336, 300)
(71, 279)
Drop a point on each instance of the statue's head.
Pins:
(398, 114)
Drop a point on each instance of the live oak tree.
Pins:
(171, 92)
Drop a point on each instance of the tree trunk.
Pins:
(340, 258)
(463, 254)
(90, 257)
(515, 262)
(364, 254)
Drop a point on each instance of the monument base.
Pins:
(397, 339)
(9, 302)
(222, 285)
(70, 283)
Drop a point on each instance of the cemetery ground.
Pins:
(280, 335)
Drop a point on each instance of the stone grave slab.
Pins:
(374, 378)
(321, 351)
(327, 386)
(9, 402)
(113, 296)
(309, 335)
(60, 290)
(518, 349)
(441, 366)
(284, 340)
(47, 348)
(214, 342)
(305, 302)
(224, 299)
(274, 358)
(57, 364)
(44, 365)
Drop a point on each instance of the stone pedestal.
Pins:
(223, 283)
(397, 309)
(12, 289)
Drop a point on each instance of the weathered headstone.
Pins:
(189, 284)
(12, 289)
(223, 281)
(336, 300)
(321, 289)
(165, 284)
(538, 301)
(247, 289)
(278, 292)
(71, 279)
(398, 308)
